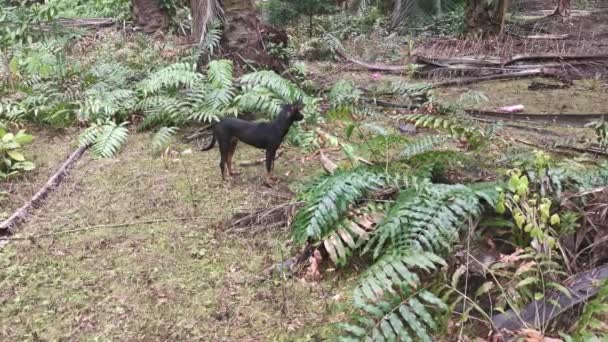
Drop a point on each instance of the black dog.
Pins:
(263, 135)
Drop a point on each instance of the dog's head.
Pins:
(295, 110)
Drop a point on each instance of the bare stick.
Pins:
(8, 226)
(119, 225)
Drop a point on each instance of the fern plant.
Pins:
(426, 144)
(457, 127)
(419, 227)
(422, 224)
(330, 199)
(105, 139)
(162, 138)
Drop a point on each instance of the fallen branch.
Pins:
(508, 76)
(575, 120)
(198, 133)
(523, 128)
(8, 226)
(541, 36)
(554, 56)
(374, 67)
(564, 147)
(495, 62)
(388, 104)
(120, 225)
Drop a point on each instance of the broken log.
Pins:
(7, 227)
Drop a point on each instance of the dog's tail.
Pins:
(211, 144)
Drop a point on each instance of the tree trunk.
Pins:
(149, 15)
(483, 18)
(203, 13)
(563, 8)
(246, 37)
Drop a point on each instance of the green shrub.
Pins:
(12, 160)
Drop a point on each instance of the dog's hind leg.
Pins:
(231, 151)
(224, 161)
(270, 155)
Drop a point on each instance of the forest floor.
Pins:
(173, 272)
(168, 280)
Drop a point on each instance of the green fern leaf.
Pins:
(110, 139)
(426, 144)
(330, 200)
(162, 138)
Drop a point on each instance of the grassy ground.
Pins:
(162, 281)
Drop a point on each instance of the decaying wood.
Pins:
(522, 127)
(497, 62)
(537, 314)
(86, 22)
(571, 120)
(8, 226)
(507, 76)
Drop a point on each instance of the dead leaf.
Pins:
(329, 166)
(312, 272)
(532, 335)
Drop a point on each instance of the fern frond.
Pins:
(115, 75)
(330, 199)
(89, 135)
(343, 93)
(409, 319)
(219, 74)
(110, 139)
(428, 218)
(11, 110)
(423, 145)
(352, 232)
(284, 89)
(162, 138)
(260, 99)
(174, 76)
(102, 103)
(457, 128)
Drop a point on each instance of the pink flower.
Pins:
(376, 76)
